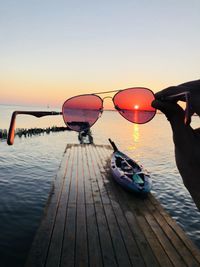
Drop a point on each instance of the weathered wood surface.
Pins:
(91, 221)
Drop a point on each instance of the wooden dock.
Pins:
(90, 221)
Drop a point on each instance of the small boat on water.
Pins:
(128, 173)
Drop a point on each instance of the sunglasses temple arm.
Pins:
(38, 114)
(188, 109)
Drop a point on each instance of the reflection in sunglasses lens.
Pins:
(134, 104)
(81, 112)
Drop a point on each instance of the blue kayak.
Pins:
(128, 173)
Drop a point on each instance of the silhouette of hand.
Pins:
(186, 139)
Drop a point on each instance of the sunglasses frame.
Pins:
(113, 100)
(39, 114)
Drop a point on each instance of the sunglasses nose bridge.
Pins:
(106, 97)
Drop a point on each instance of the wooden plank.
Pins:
(97, 168)
(165, 241)
(68, 250)
(55, 248)
(146, 225)
(151, 238)
(144, 247)
(118, 243)
(180, 246)
(107, 250)
(73, 186)
(178, 249)
(137, 226)
(138, 210)
(138, 235)
(38, 253)
(155, 245)
(109, 258)
(95, 189)
(81, 253)
(69, 235)
(81, 230)
(178, 230)
(80, 176)
(94, 247)
(130, 243)
(87, 178)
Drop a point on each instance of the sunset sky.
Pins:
(52, 50)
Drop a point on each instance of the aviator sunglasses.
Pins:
(82, 111)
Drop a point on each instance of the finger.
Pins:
(175, 114)
(170, 91)
(192, 86)
(171, 110)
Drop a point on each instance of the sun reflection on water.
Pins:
(135, 137)
(136, 133)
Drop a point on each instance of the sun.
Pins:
(136, 106)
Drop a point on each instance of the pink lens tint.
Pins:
(81, 112)
(134, 104)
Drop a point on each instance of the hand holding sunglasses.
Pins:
(186, 139)
(192, 98)
(81, 112)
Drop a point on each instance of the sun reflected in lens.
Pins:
(136, 107)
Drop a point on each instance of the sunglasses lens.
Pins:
(134, 104)
(81, 112)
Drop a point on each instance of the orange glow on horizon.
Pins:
(26, 88)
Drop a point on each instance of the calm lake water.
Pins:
(28, 168)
